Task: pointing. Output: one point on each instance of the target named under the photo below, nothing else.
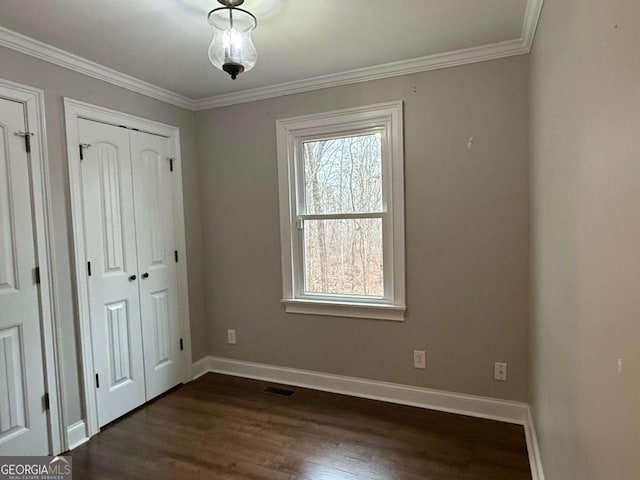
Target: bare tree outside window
(343, 256)
(341, 186)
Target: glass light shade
(232, 48)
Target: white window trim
(290, 132)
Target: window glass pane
(343, 175)
(344, 257)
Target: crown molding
(465, 56)
(437, 61)
(43, 51)
(57, 56)
(530, 24)
(403, 67)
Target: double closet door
(131, 254)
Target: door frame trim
(73, 111)
(33, 100)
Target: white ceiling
(164, 42)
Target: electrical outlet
(231, 336)
(500, 371)
(419, 359)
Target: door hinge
(171, 164)
(175, 254)
(181, 345)
(36, 271)
(82, 147)
(27, 139)
(300, 223)
(89, 268)
(97, 381)
(47, 403)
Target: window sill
(371, 311)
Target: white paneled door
(155, 233)
(112, 269)
(23, 418)
(131, 257)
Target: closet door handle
(132, 278)
(145, 275)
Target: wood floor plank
(223, 427)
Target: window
(342, 212)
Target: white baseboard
(201, 367)
(463, 404)
(77, 434)
(535, 460)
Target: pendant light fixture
(232, 49)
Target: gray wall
(467, 233)
(57, 83)
(585, 137)
(467, 227)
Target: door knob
(132, 278)
(145, 275)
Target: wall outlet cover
(419, 359)
(500, 371)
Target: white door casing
(156, 240)
(23, 418)
(33, 101)
(74, 112)
(112, 270)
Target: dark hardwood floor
(222, 427)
